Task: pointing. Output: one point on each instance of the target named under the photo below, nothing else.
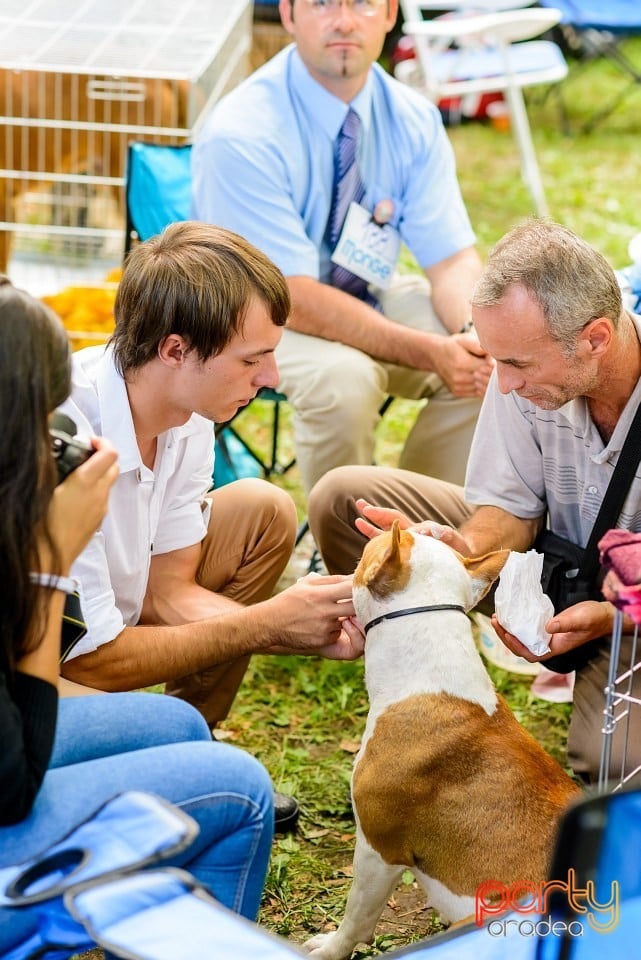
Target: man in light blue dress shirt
(263, 165)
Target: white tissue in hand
(520, 604)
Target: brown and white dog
(446, 783)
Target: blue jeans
(142, 741)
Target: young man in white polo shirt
(167, 582)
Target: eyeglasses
(360, 8)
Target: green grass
(304, 717)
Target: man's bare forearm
(323, 311)
(182, 602)
(144, 655)
(490, 528)
(452, 282)
(305, 618)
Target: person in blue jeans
(62, 759)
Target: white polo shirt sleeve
(187, 474)
(148, 514)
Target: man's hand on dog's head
(377, 520)
(450, 536)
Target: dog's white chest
(428, 653)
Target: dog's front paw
(320, 947)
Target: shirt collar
(327, 111)
(115, 415)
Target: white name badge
(366, 248)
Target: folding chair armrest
(486, 6)
(502, 27)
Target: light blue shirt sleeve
(433, 220)
(244, 184)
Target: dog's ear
(387, 568)
(484, 570)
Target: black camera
(69, 452)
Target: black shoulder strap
(614, 497)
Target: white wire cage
(622, 712)
(81, 79)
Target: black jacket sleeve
(28, 712)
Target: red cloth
(620, 553)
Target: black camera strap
(614, 498)
(73, 625)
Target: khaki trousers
(251, 535)
(337, 391)
(332, 507)
(332, 511)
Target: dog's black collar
(406, 613)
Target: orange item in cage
(86, 312)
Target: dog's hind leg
(452, 907)
(373, 881)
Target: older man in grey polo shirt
(566, 386)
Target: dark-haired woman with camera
(62, 759)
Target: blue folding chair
(596, 28)
(158, 192)
(127, 834)
(164, 914)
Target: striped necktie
(348, 187)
